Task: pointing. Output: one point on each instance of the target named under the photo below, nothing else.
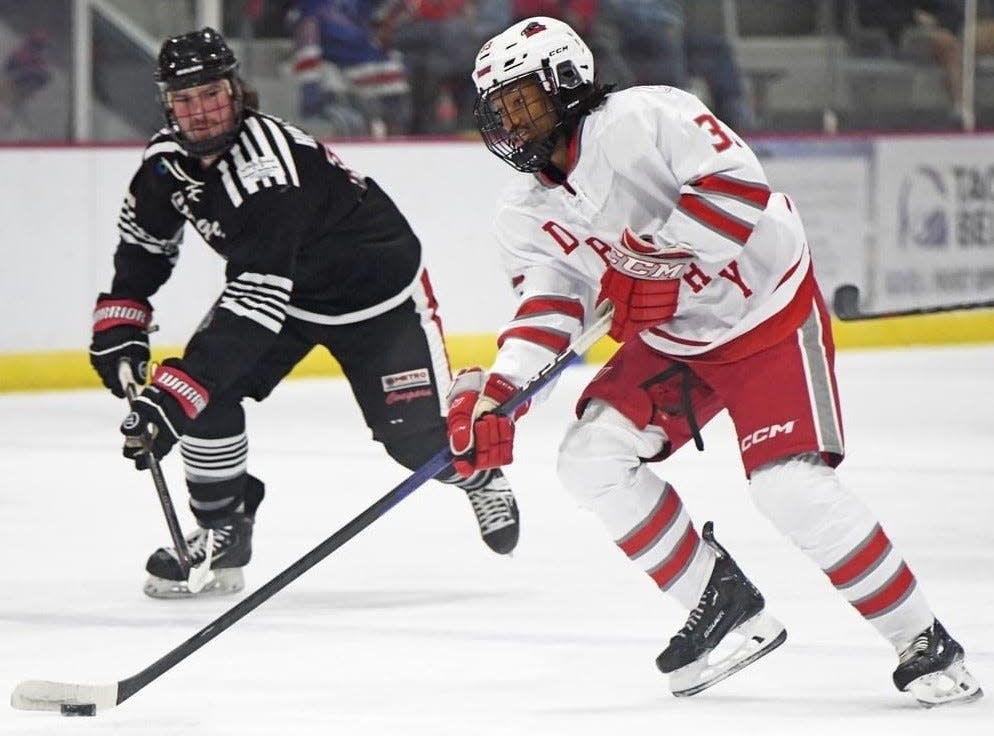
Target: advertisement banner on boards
(934, 221)
(829, 181)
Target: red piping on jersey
(768, 332)
(573, 149)
(755, 194)
(700, 209)
(786, 276)
(550, 339)
(545, 304)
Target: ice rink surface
(415, 629)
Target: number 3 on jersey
(724, 141)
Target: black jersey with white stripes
(300, 232)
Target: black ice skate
(496, 512)
(730, 607)
(228, 537)
(230, 541)
(933, 671)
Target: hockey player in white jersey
(644, 198)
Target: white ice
(414, 628)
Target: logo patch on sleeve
(407, 379)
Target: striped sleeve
(261, 159)
(553, 307)
(262, 298)
(717, 209)
(133, 233)
(723, 188)
(545, 320)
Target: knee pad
(603, 451)
(806, 501)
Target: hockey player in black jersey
(316, 255)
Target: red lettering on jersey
(695, 278)
(600, 248)
(566, 240)
(731, 272)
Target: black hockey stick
(73, 699)
(845, 304)
(197, 576)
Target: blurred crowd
(25, 71)
(401, 66)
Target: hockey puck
(78, 709)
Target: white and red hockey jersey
(656, 160)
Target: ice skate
(497, 513)
(231, 548)
(725, 633)
(933, 671)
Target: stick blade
(845, 303)
(47, 695)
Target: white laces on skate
(492, 508)
(920, 644)
(196, 543)
(692, 621)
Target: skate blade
(760, 635)
(225, 581)
(954, 685)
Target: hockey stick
(845, 304)
(73, 699)
(197, 576)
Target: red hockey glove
(478, 437)
(643, 284)
(162, 413)
(120, 332)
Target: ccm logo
(648, 269)
(765, 433)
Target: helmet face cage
(192, 60)
(528, 154)
(551, 52)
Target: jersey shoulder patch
(260, 158)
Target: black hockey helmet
(190, 60)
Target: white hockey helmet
(539, 45)
(553, 53)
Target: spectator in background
(662, 47)
(25, 71)
(923, 28)
(347, 76)
(439, 40)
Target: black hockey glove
(162, 413)
(120, 332)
